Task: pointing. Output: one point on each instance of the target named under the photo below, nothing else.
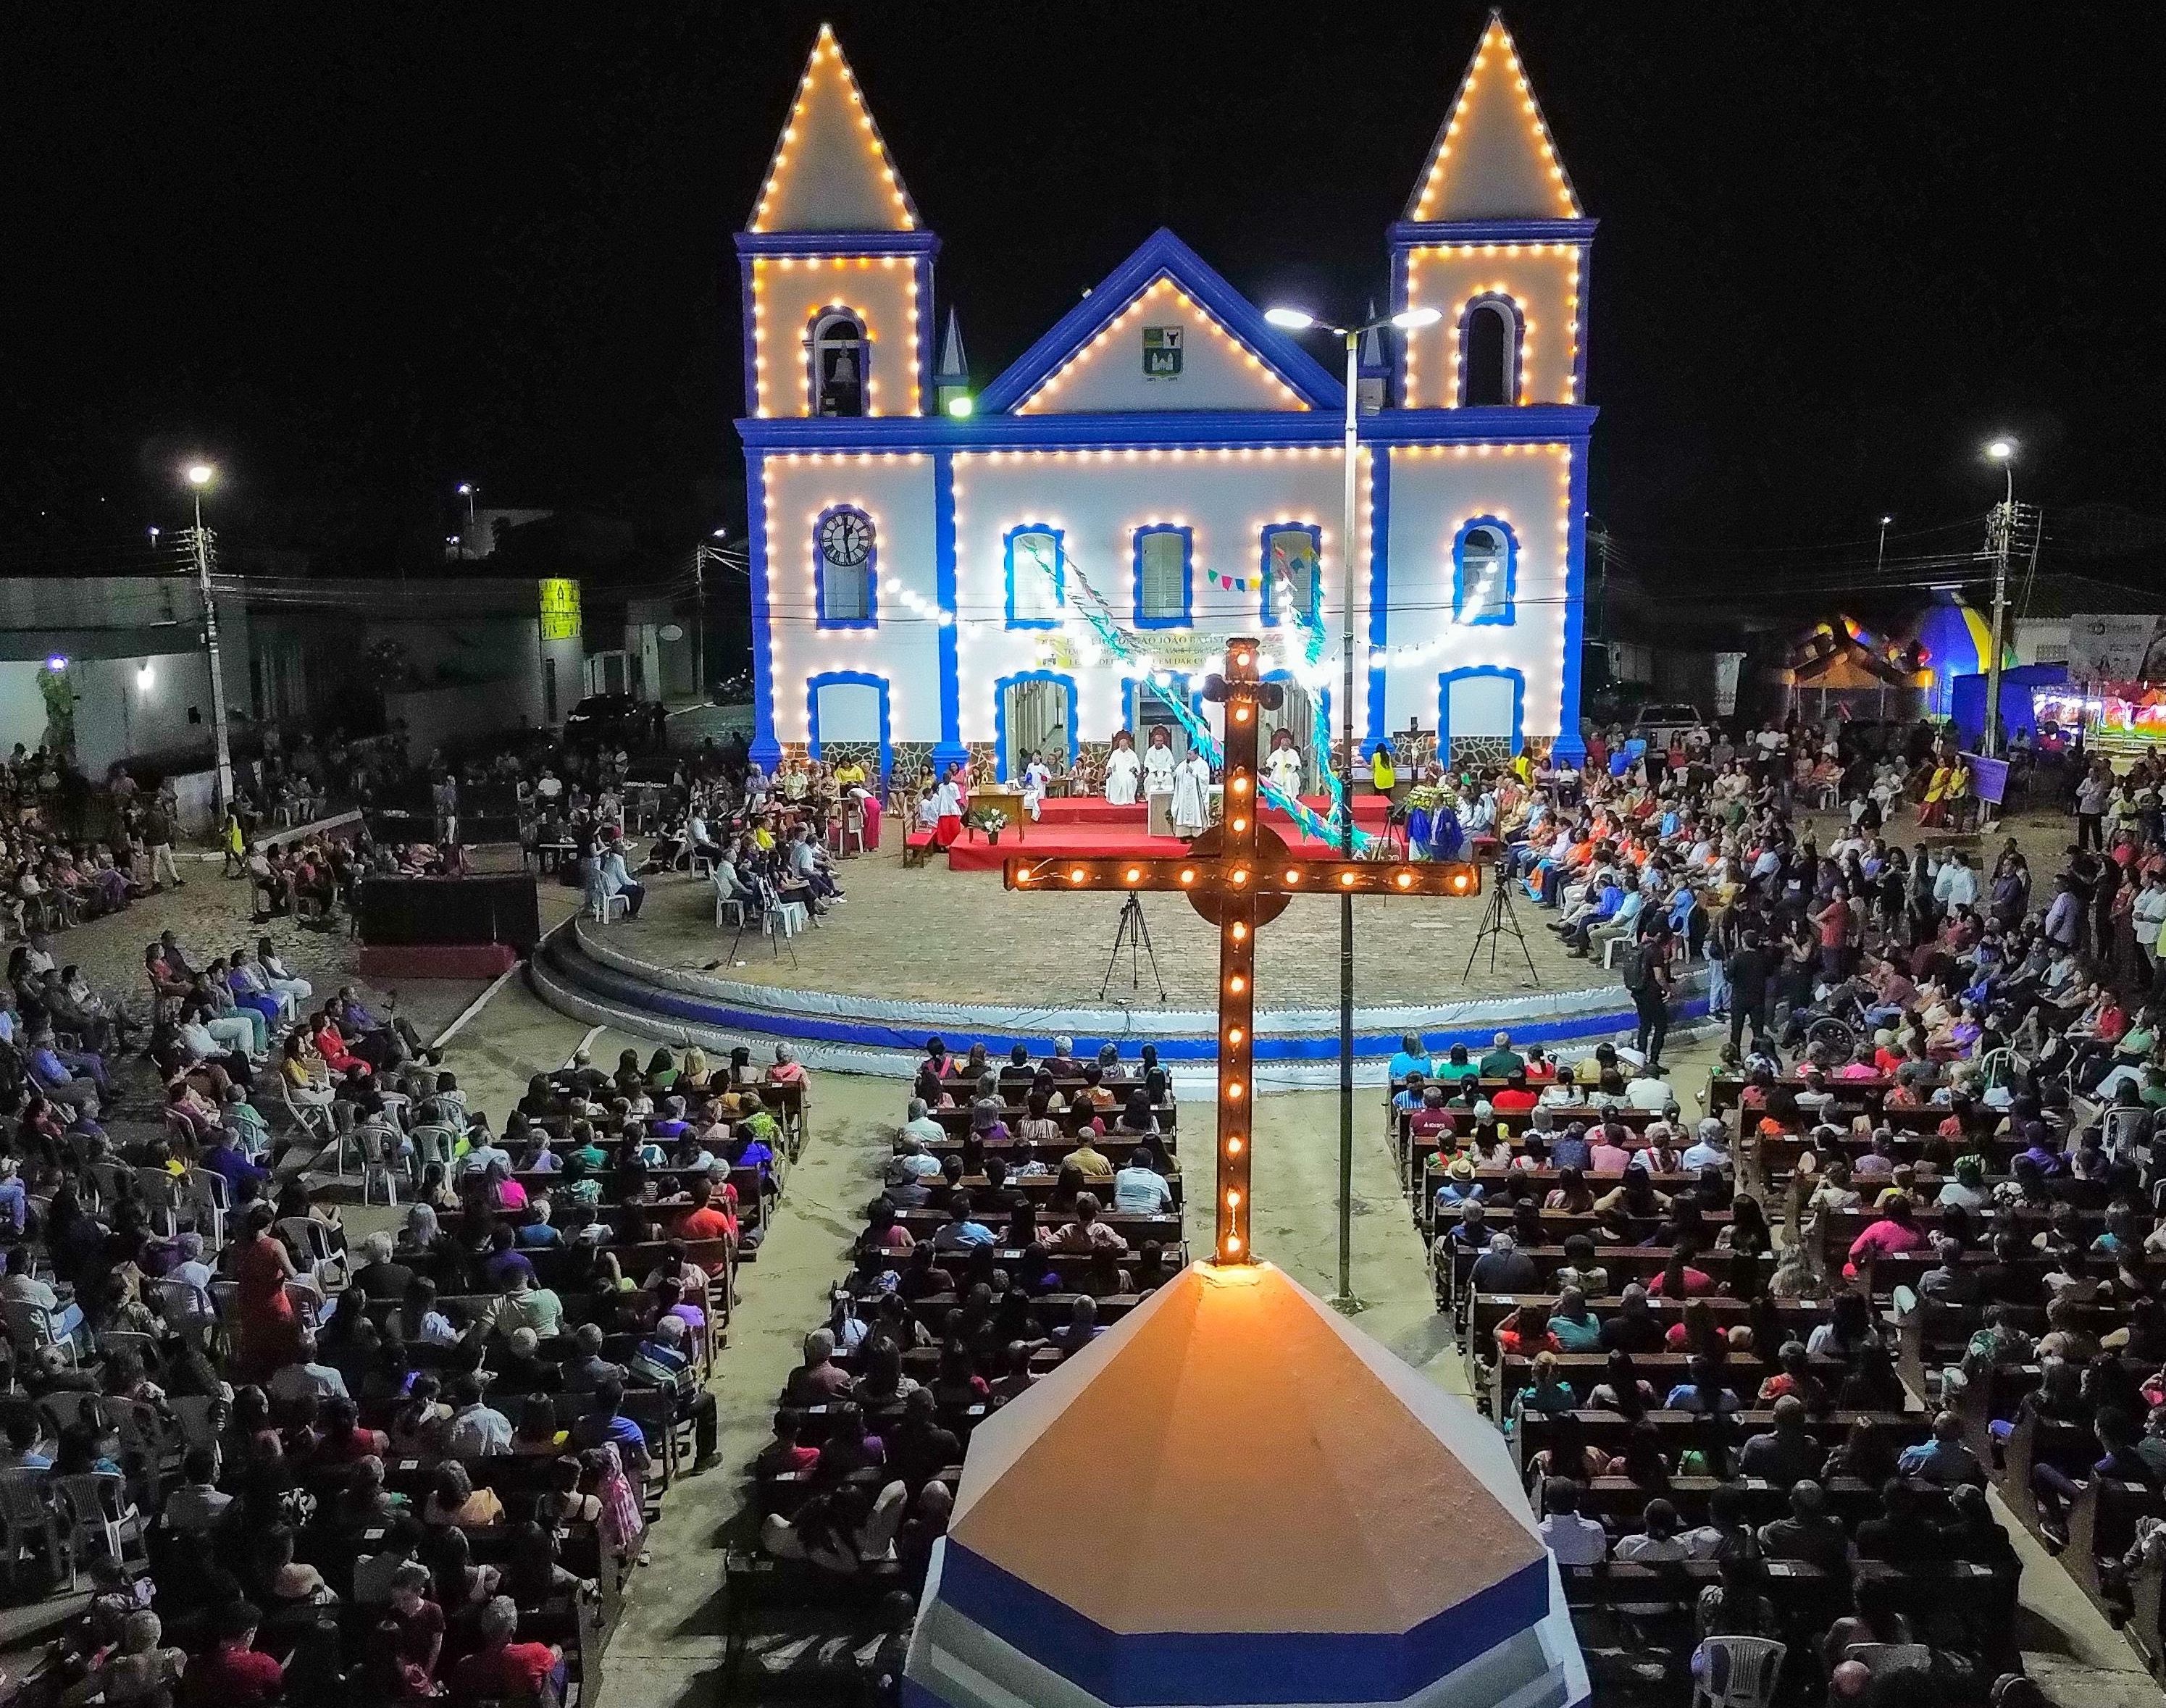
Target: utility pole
(200, 475)
(2002, 452)
(1345, 1299)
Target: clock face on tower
(846, 539)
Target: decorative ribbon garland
(1324, 828)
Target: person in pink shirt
(1605, 1155)
(1897, 1232)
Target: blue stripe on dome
(1130, 1671)
(613, 986)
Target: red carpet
(1369, 812)
(1051, 841)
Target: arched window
(1290, 551)
(1037, 577)
(845, 557)
(1489, 353)
(838, 363)
(1485, 565)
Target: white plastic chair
(213, 1203)
(378, 1149)
(30, 1325)
(198, 1419)
(1738, 1672)
(325, 1262)
(732, 904)
(29, 1519)
(102, 1514)
(313, 1119)
(787, 917)
(605, 908)
(2123, 1127)
(129, 1339)
(433, 1142)
(162, 1199)
(185, 1308)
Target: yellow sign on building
(560, 609)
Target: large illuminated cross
(1239, 875)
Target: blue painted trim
(1187, 616)
(1292, 1049)
(751, 343)
(1162, 252)
(1127, 1669)
(1518, 678)
(1586, 283)
(949, 750)
(765, 751)
(839, 243)
(1570, 744)
(871, 567)
(855, 678)
(926, 323)
(1430, 234)
(1515, 345)
(1270, 607)
(1059, 572)
(1000, 713)
(1509, 614)
(1380, 587)
(1184, 429)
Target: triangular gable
(1494, 158)
(1251, 364)
(830, 170)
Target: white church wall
(1435, 492)
(902, 648)
(1098, 500)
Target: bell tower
(837, 266)
(1495, 238)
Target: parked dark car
(605, 718)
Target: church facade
(940, 573)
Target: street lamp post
(200, 475)
(467, 489)
(1299, 320)
(699, 615)
(1880, 553)
(2002, 452)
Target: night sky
(361, 254)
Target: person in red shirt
(1540, 1069)
(707, 1220)
(1515, 1099)
(233, 1674)
(508, 1671)
(1431, 1118)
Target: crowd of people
(393, 1466)
(1949, 1077)
(1027, 1205)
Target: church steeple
(831, 170)
(951, 379)
(1494, 158)
(837, 267)
(1496, 240)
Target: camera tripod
(1132, 934)
(1499, 920)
